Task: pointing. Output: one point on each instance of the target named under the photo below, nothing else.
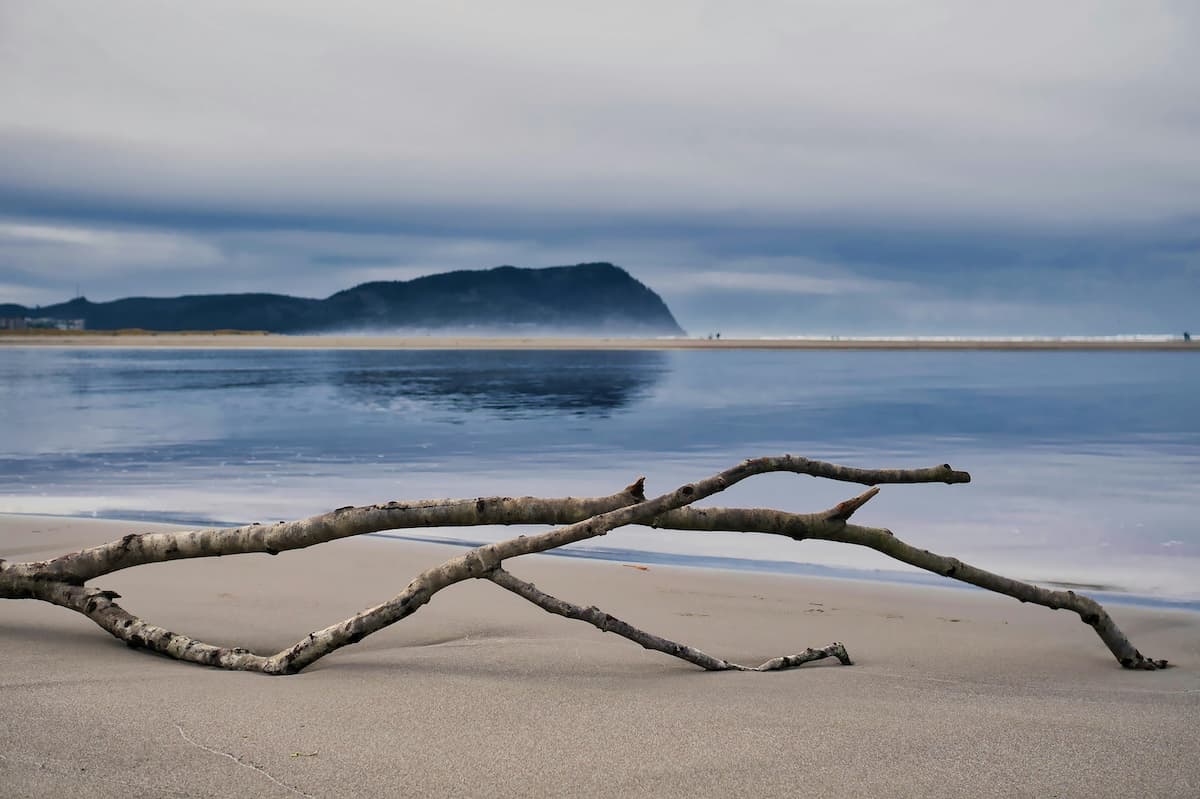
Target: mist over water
(1082, 461)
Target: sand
(270, 341)
(954, 693)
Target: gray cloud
(1059, 112)
(1021, 159)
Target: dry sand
(271, 341)
(953, 693)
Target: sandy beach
(953, 693)
(273, 341)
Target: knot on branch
(954, 476)
(481, 562)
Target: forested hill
(585, 298)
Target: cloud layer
(880, 152)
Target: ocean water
(1085, 464)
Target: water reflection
(184, 404)
(1083, 462)
(508, 383)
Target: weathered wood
(611, 624)
(135, 550)
(827, 527)
(61, 580)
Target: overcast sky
(768, 168)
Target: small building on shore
(41, 323)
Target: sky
(774, 168)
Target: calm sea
(1085, 464)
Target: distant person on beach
(1187, 336)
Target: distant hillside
(586, 298)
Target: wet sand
(953, 693)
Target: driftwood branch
(824, 527)
(135, 550)
(611, 624)
(61, 580)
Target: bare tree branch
(479, 562)
(61, 580)
(135, 550)
(611, 624)
(830, 526)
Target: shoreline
(915, 578)
(950, 694)
(281, 341)
(900, 576)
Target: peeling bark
(61, 580)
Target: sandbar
(236, 340)
(953, 693)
